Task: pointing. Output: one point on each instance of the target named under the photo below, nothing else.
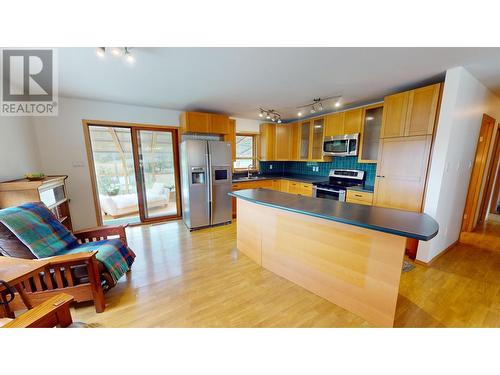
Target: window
(246, 154)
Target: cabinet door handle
(379, 176)
(358, 195)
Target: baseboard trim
(422, 263)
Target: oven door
(329, 193)
(332, 146)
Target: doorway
(476, 204)
(134, 171)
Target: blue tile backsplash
(306, 168)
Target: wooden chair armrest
(101, 233)
(70, 258)
(50, 313)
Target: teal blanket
(36, 227)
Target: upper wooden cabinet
(340, 123)
(231, 137)
(219, 124)
(394, 117)
(410, 113)
(267, 141)
(304, 140)
(283, 142)
(199, 122)
(317, 139)
(295, 145)
(422, 108)
(353, 120)
(370, 134)
(334, 124)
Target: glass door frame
(174, 130)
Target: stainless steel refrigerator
(206, 181)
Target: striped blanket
(36, 227)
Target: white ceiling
(238, 81)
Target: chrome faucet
(249, 168)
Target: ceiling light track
(270, 114)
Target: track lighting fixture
(117, 52)
(317, 105)
(101, 51)
(270, 114)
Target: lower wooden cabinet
(359, 197)
(267, 184)
(402, 172)
(285, 186)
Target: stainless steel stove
(337, 184)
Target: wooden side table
(14, 272)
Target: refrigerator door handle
(209, 184)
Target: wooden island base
(355, 268)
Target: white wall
(18, 148)
(62, 145)
(247, 125)
(464, 101)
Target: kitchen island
(349, 254)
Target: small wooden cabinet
(359, 197)
(340, 123)
(353, 120)
(200, 122)
(410, 113)
(334, 124)
(51, 191)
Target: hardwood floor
(198, 279)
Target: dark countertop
(293, 177)
(401, 223)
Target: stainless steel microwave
(341, 145)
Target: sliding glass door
(156, 169)
(135, 173)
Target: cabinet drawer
(306, 189)
(360, 197)
(267, 184)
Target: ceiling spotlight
(299, 114)
(268, 116)
(261, 114)
(115, 51)
(313, 110)
(101, 51)
(337, 103)
(128, 56)
(279, 121)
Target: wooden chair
(80, 275)
(54, 312)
